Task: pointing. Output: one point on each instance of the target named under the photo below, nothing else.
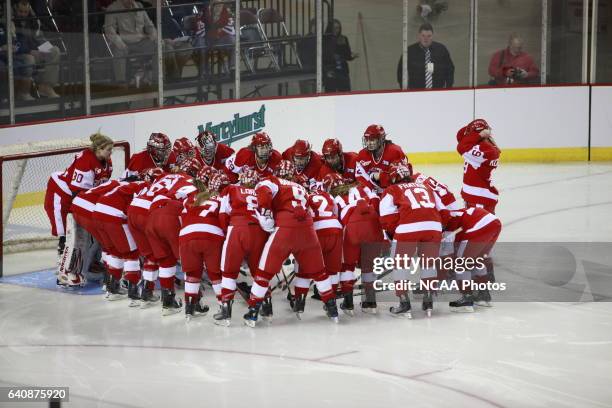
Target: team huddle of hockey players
(216, 211)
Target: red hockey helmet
(332, 180)
(301, 154)
(374, 137)
(207, 141)
(218, 182)
(206, 173)
(190, 166)
(285, 170)
(152, 174)
(478, 125)
(399, 172)
(248, 178)
(332, 153)
(159, 147)
(183, 149)
(261, 144)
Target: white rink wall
(522, 118)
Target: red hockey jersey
(470, 220)
(222, 153)
(359, 204)
(349, 163)
(441, 190)
(367, 166)
(85, 172)
(287, 200)
(481, 158)
(84, 203)
(238, 205)
(325, 212)
(245, 159)
(113, 205)
(142, 161)
(410, 207)
(201, 221)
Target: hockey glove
(265, 220)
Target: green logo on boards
(238, 128)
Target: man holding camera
(513, 66)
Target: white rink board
(545, 117)
(539, 117)
(601, 116)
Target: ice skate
(148, 296)
(369, 307)
(170, 304)
(195, 307)
(133, 295)
(266, 310)
(465, 304)
(428, 303)
(403, 309)
(347, 305)
(299, 305)
(113, 290)
(331, 309)
(224, 316)
(250, 318)
(483, 298)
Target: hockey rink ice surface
(511, 355)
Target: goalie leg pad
(72, 262)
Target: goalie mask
(159, 148)
(332, 153)
(261, 144)
(301, 154)
(374, 138)
(207, 142)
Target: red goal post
(25, 170)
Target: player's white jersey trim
(108, 210)
(139, 202)
(331, 223)
(418, 227)
(211, 229)
(483, 222)
(84, 204)
(479, 191)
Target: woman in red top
(90, 168)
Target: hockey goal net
(25, 170)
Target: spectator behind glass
(46, 57)
(307, 49)
(129, 33)
(221, 28)
(512, 65)
(337, 78)
(429, 63)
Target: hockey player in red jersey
(478, 231)
(201, 241)
(283, 211)
(183, 149)
(376, 158)
(410, 212)
(163, 226)
(157, 154)
(307, 163)
(358, 209)
(245, 239)
(90, 168)
(138, 215)
(258, 156)
(210, 152)
(481, 154)
(337, 161)
(328, 229)
(111, 215)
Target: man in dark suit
(429, 63)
